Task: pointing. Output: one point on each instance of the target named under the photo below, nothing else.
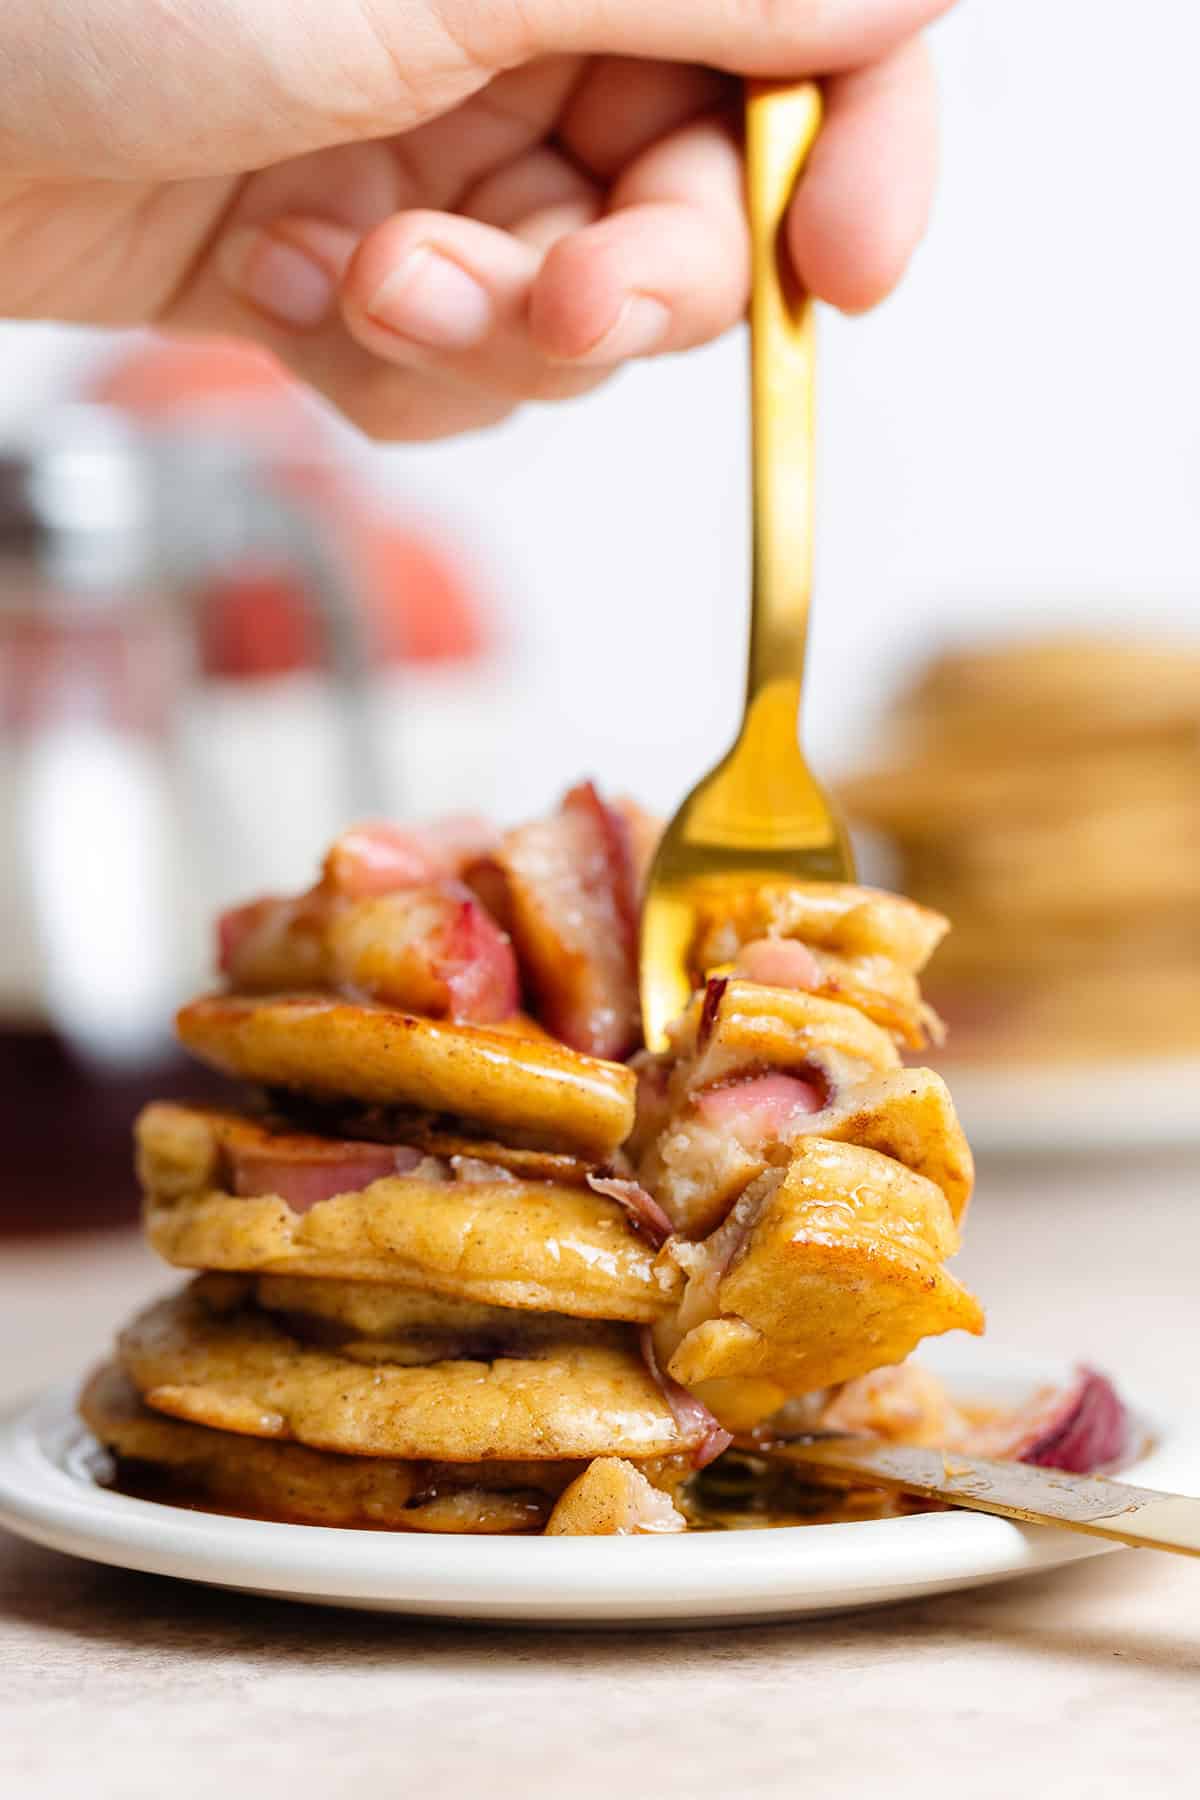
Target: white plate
(48, 1493)
(1053, 1108)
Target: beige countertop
(1080, 1684)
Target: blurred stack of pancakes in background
(469, 1260)
(1046, 795)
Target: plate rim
(686, 1579)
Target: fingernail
(639, 327)
(278, 277)
(433, 301)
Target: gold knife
(1142, 1517)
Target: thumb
(743, 37)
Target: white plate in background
(48, 1494)
(1060, 1108)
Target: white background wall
(1015, 436)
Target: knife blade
(1096, 1504)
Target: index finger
(742, 37)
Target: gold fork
(761, 812)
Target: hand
(435, 209)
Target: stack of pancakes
(1047, 795)
(471, 1261)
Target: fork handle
(782, 121)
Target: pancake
(340, 1312)
(752, 1068)
(1106, 1015)
(932, 795)
(696, 1169)
(195, 1465)
(528, 1244)
(1047, 871)
(312, 1132)
(822, 1272)
(834, 916)
(503, 1078)
(1042, 693)
(613, 1499)
(738, 1025)
(207, 1356)
(874, 985)
(1043, 794)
